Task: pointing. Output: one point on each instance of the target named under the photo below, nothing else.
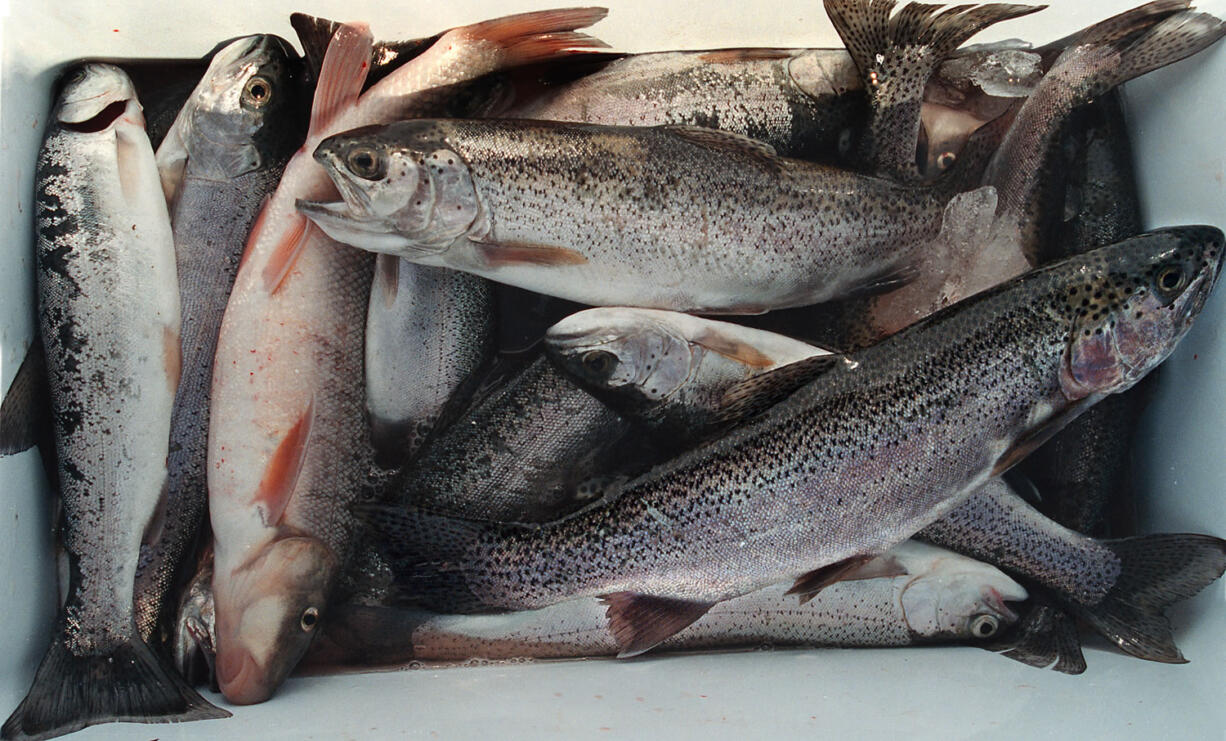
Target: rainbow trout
(879, 445)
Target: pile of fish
(313, 392)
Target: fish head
(960, 599)
(93, 96)
(267, 614)
(1128, 312)
(246, 111)
(634, 355)
(404, 190)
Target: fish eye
(363, 162)
(984, 626)
(309, 619)
(257, 92)
(1171, 279)
(598, 361)
(946, 160)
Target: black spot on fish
(71, 471)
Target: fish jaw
(267, 612)
(371, 235)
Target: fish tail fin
(540, 35)
(427, 554)
(1122, 25)
(1156, 571)
(1113, 53)
(1046, 636)
(129, 684)
(896, 54)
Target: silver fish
(428, 330)
(1122, 588)
(666, 370)
(289, 444)
(930, 596)
(670, 217)
(220, 160)
(878, 446)
(109, 315)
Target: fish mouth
(338, 222)
(993, 599)
(238, 678)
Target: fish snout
(238, 677)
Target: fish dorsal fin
(741, 352)
(341, 75)
(755, 395)
(1032, 440)
(276, 489)
(722, 140)
(640, 622)
(25, 414)
(314, 33)
(849, 569)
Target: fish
(219, 161)
(194, 643)
(109, 319)
(289, 448)
(671, 217)
(428, 332)
(535, 445)
(874, 448)
(896, 55)
(665, 370)
(994, 233)
(927, 595)
(1122, 588)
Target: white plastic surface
(946, 693)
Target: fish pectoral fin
(286, 253)
(889, 279)
(808, 585)
(640, 622)
(341, 75)
(276, 488)
(742, 352)
(755, 395)
(1034, 439)
(502, 254)
(25, 413)
(722, 140)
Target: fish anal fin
(523, 253)
(754, 395)
(341, 75)
(276, 488)
(25, 414)
(723, 140)
(741, 352)
(808, 585)
(639, 622)
(285, 254)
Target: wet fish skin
(657, 217)
(109, 319)
(220, 160)
(665, 370)
(428, 330)
(862, 457)
(940, 597)
(1120, 587)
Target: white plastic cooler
(942, 693)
